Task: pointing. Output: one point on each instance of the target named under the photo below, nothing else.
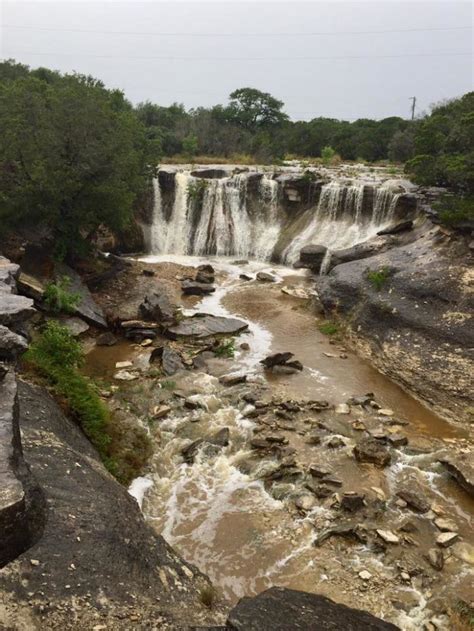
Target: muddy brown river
(220, 512)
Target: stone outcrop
(21, 503)
(462, 470)
(417, 325)
(96, 551)
(87, 309)
(205, 325)
(280, 609)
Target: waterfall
(228, 217)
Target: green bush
(327, 155)
(329, 328)
(226, 349)
(58, 356)
(378, 278)
(57, 297)
(454, 210)
(196, 189)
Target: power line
(218, 58)
(187, 34)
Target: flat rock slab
(462, 471)
(87, 309)
(280, 609)
(15, 309)
(201, 326)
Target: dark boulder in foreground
(282, 361)
(205, 274)
(312, 256)
(281, 609)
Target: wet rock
(335, 442)
(342, 408)
(232, 380)
(402, 226)
(379, 433)
(265, 277)
(148, 272)
(189, 452)
(332, 481)
(311, 256)
(106, 339)
(245, 277)
(370, 450)
(361, 400)
(305, 502)
(260, 443)
(205, 274)
(446, 525)
(314, 439)
(386, 412)
(281, 360)
(171, 361)
(244, 346)
(11, 344)
(193, 288)
(435, 558)
(320, 490)
(281, 609)
(414, 500)
(221, 438)
(319, 471)
(158, 307)
(462, 470)
(388, 536)
(205, 325)
(352, 501)
(446, 539)
(349, 531)
(397, 440)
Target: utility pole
(413, 103)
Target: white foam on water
(138, 487)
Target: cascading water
(221, 217)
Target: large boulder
(462, 470)
(205, 325)
(11, 344)
(15, 310)
(193, 288)
(371, 450)
(312, 256)
(8, 273)
(158, 307)
(281, 609)
(87, 309)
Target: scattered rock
(370, 450)
(335, 442)
(397, 440)
(281, 360)
(342, 408)
(462, 471)
(388, 536)
(245, 277)
(446, 539)
(319, 471)
(221, 438)
(386, 412)
(446, 525)
(205, 325)
(161, 411)
(435, 558)
(265, 277)
(365, 575)
(414, 500)
(352, 501)
(232, 380)
(305, 502)
(205, 274)
(193, 288)
(106, 339)
(296, 292)
(158, 307)
(124, 364)
(125, 375)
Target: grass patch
(59, 299)
(329, 328)
(225, 349)
(461, 617)
(58, 357)
(378, 278)
(168, 384)
(207, 596)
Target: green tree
(73, 156)
(251, 109)
(190, 145)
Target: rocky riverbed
(311, 470)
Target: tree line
(75, 155)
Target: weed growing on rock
(378, 278)
(59, 299)
(226, 349)
(207, 596)
(329, 328)
(168, 384)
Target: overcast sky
(338, 59)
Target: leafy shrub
(327, 155)
(378, 278)
(168, 384)
(454, 210)
(58, 355)
(207, 596)
(226, 349)
(329, 328)
(57, 297)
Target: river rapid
(231, 512)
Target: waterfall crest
(246, 214)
